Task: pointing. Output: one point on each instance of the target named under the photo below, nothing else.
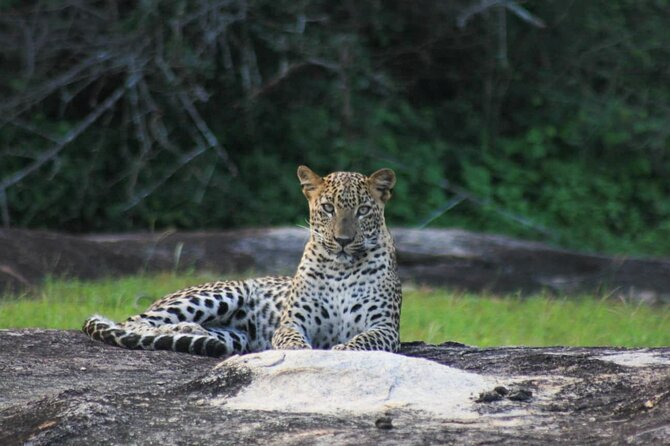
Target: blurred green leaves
(571, 137)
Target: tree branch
(4, 208)
(69, 136)
(183, 160)
(514, 7)
(200, 123)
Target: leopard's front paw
(288, 338)
(293, 346)
(339, 347)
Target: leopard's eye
(328, 207)
(363, 210)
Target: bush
(195, 114)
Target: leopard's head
(346, 210)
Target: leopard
(345, 294)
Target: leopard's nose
(344, 241)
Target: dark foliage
(547, 120)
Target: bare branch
(483, 5)
(24, 125)
(328, 65)
(174, 168)
(4, 208)
(227, 53)
(139, 121)
(478, 8)
(502, 38)
(524, 15)
(29, 53)
(461, 194)
(283, 74)
(200, 123)
(40, 92)
(211, 7)
(287, 71)
(446, 207)
(157, 127)
(68, 138)
(200, 194)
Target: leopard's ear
(381, 184)
(309, 181)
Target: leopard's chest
(341, 301)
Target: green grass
(436, 316)
(432, 316)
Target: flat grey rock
(59, 387)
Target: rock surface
(453, 258)
(59, 387)
(359, 383)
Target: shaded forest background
(548, 120)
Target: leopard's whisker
(313, 231)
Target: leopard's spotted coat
(344, 295)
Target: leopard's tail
(109, 332)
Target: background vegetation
(542, 119)
(433, 316)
